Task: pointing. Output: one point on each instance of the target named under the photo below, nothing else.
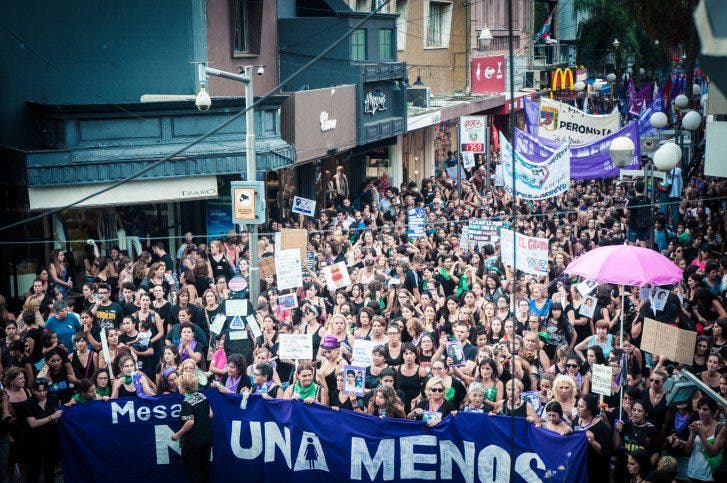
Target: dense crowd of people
(526, 343)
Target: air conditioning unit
(417, 97)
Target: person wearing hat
(41, 414)
(331, 361)
(65, 324)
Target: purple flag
(532, 113)
(589, 160)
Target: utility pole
(245, 76)
(251, 173)
(468, 46)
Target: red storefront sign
(488, 75)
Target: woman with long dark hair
(40, 438)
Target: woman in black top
(410, 375)
(127, 382)
(218, 260)
(84, 361)
(338, 399)
(40, 436)
(599, 438)
(434, 408)
(59, 374)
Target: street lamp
(611, 78)
(485, 38)
(579, 86)
(658, 120)
(203, 100)
(696, 89)
(667, 156)
(621, 151)
(691, 120)
(681, 101)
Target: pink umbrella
(625, 265)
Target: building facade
(75, 124)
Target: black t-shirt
(35, 333)
(166, 259)
(639, 218)
(109, 316)
(47, 433)
(644, 437)
(448, 285)
(196, 407)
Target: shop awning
(133, 192)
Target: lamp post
(665, 159)
(485, 38)
(203, 102)
(617, 60)
(621, 151)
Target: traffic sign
(248, 202)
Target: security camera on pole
(248, 197)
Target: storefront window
(377, 162)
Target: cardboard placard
(588, 307)
(235, 307)
(295, 347)
(288, 269)
(662, 339)
(303, 206)
(336, 276)
(294, 238)
(267, 267)
(354, 380)
(288, 301)
(601, 379)
(363, 352)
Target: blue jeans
(670, 203)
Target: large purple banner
(589, 160)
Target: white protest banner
(601, 379)
(288, 269)
(561, 122)
(536, 181)
(363, 352)
(235, 307)
(295, 347)
(336, 276)
(304, 206)
(532, 252)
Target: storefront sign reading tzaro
(374, 101)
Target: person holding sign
(435, 407)
(305, 389)
(340, 398)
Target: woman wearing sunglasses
(434, 408)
